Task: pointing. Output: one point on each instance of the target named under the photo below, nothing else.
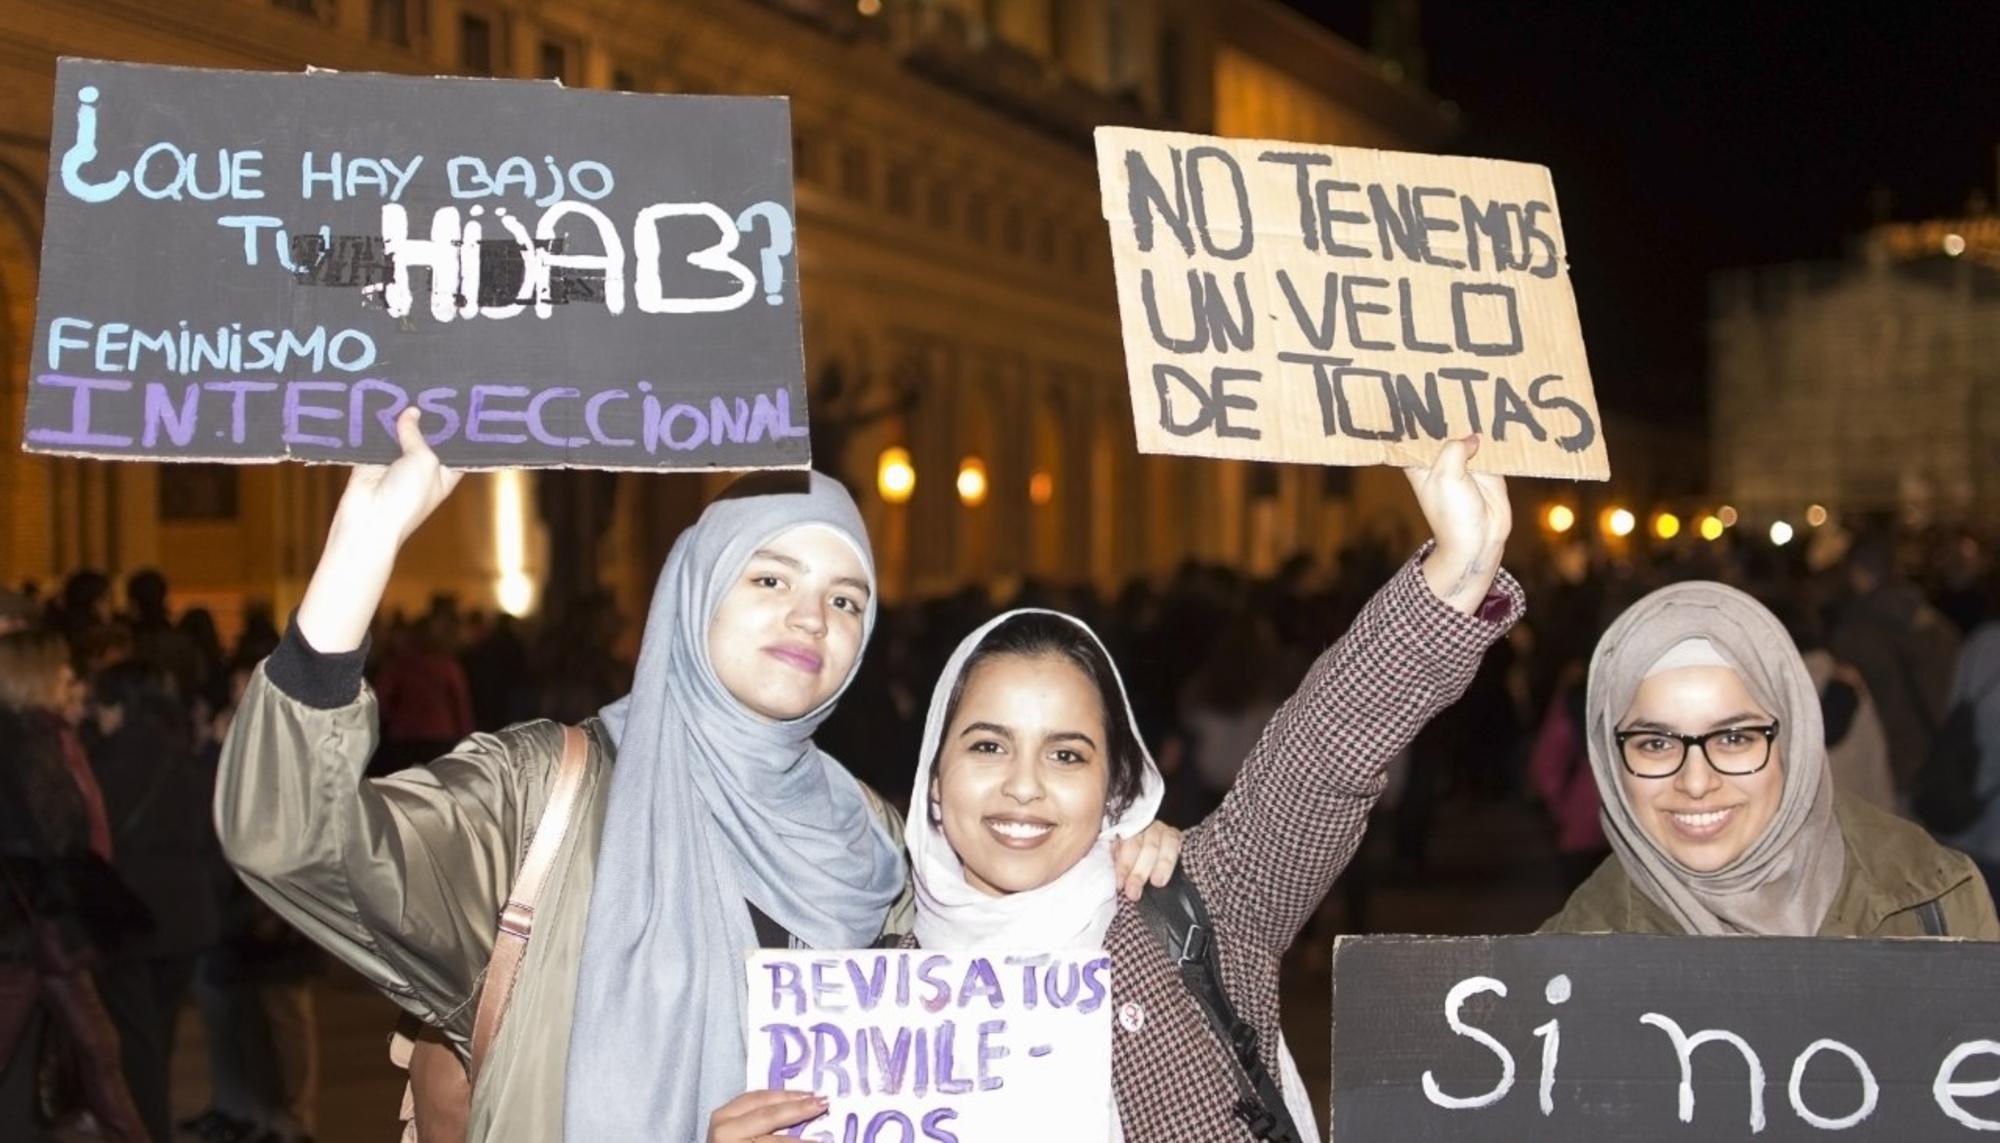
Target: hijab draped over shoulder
(1785, 882)
(710, 806)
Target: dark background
(1689, 137)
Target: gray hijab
(1786, 881)
(711, 805)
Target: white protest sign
(1334, 305)
(931, 1047)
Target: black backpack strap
(1932, 917)
(1180, 920)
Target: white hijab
(1074, 910)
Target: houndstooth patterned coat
(1267, 856)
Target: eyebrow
(989, 728)
(1738, 719)
(1073, 736)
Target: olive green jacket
(1893, 869)
(403, 877)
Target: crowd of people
(1869, 671)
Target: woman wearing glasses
(1706, 743)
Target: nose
(808, 615)
(1697, 777)
(1024, 779)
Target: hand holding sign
(1469, 516)
(382, 506)
(760, 1116)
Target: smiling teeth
(1702, 821)
(1020, 830)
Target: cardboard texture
(244, 266)
(914, 1046)
(1582, 1038)
(1334, 305)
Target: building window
(556, 59)
(1013, 230)
(939, 208)
(389, 21)
(197, 492)
(977, 222)
(805, 159)
(901, 191)
(854, 171)
(1170, 73)
(475, 44)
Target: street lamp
(972, 481)
(1619, 522)
(1560, 518)
(1666, 525)
(895, 476)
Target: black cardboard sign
(243, 266)
(1551, 1039)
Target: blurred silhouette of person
(141, 742)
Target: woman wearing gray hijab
(1704, 734)
(720, 826)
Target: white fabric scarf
(1074, 910)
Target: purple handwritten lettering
(160, 410)
(478, 416)
(357, 404)
(239, 392)
(296, 410)
(79, 432)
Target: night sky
(1688, 136)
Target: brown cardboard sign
(1334, 305)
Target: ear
(935, 810)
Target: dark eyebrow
(1738, 719)
(860, 585)
(1073, 736)
(989, 728)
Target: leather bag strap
(517, 919)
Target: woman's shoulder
(1607, 902)
(1894, 864)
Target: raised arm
(1297, 811)
(399, 878)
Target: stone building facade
(950, 247)
(1871, 387)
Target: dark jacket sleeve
(1292, 821)
(400, 877)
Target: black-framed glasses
(1734, 750)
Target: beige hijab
(1785, 882)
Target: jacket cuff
(318, 679)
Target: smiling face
(1021, 778)
(1703, 819)
(786, 633)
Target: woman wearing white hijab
(1032, 766)
(1704, 733)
